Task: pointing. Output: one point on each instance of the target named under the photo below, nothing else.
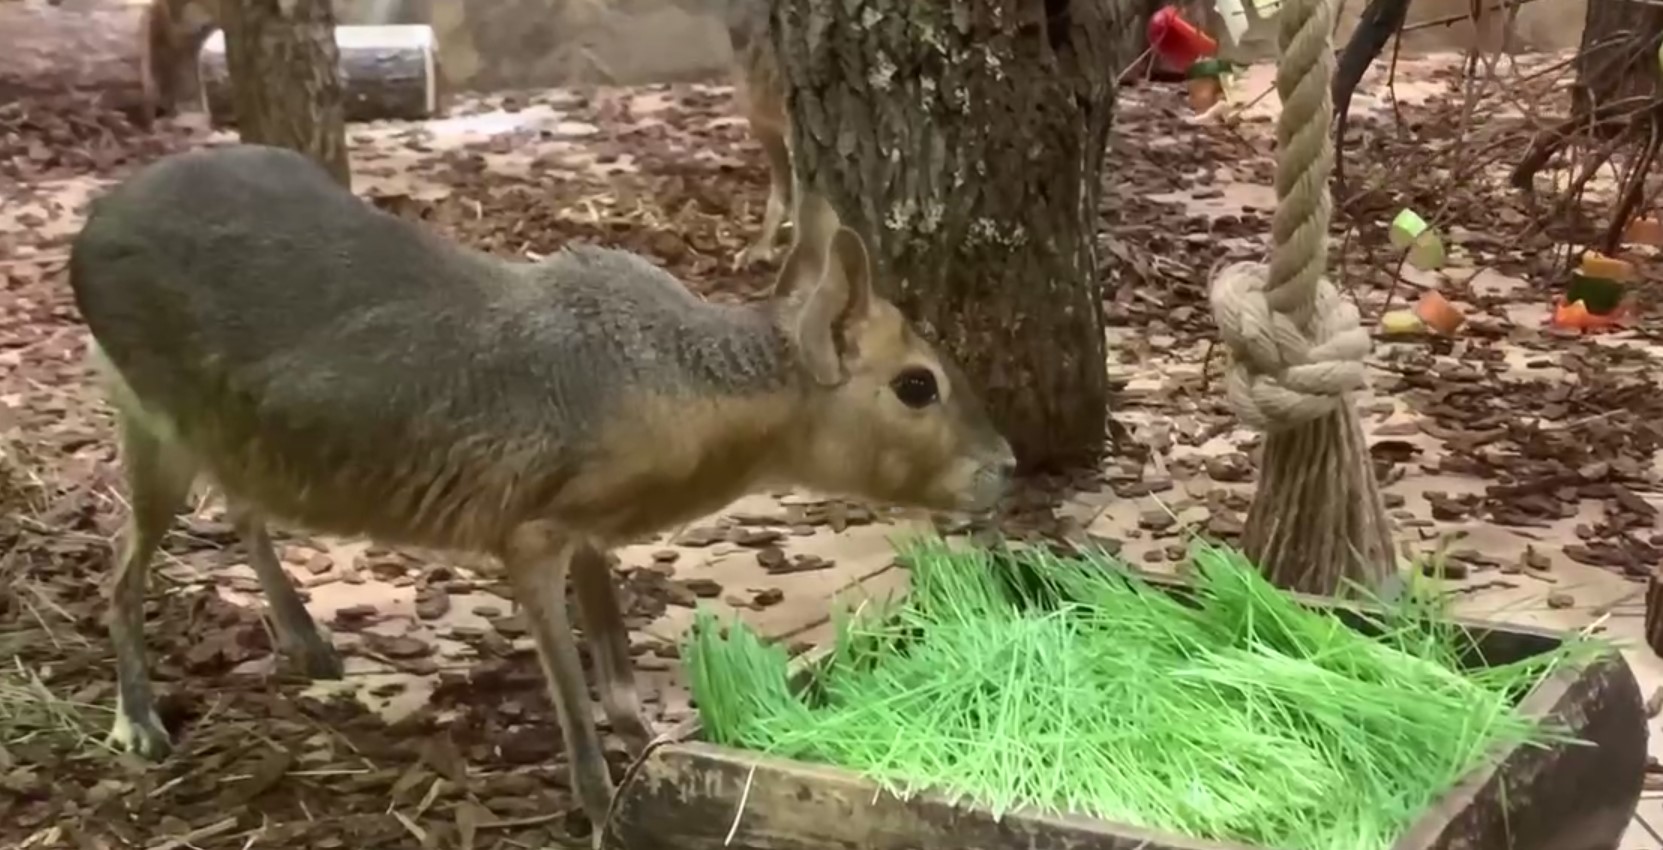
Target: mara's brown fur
(344, 370)
(760, 91)
(172, 33)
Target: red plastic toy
(1176, 40)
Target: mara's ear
(852, 261)
(820, 291)
(809, 298)
(815, 219)
(814, 223)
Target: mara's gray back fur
(352, 372)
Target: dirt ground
(1529, 454)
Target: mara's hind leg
(297, 633)
(603, 627)
(538, 561)
(159, 474)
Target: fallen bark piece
(387, 73)
(1654, 613)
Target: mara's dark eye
(915, 387)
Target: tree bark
(1616, 89)
(1654, 613)
(285, 72)
(963, 140)
(1618, 58)
(1380, 21)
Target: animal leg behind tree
(779, 196)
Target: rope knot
(1285, 371)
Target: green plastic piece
(1426, 249)
(1204, 68)
(1601, 295)
(1407, 227)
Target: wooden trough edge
(1575, 797)
(684, 794)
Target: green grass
(1071, 685)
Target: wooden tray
(689, 795)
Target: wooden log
(387, 72)
(88, 46)
(689, 795)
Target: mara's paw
(635, 731)
(144, 736)
(755, 253)
(317, 658)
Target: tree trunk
(1616, 90)
(1617, 93)
(285, 70)
(963, 140)
(1381, 19)
(1618, 58)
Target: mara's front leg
(537, 560)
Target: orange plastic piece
(1204, 93)
(1575, 316)
(1438, 314)
(1645, 231)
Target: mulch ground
(480, 765)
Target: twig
(1607, 608)
(1633, 186)
(1123, 77)
(37, 260)
(1391, 85)
(1449, 20)
(216, 828)
(744, 797)
(520, 823)
(410, 826)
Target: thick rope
(1297, 349)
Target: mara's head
(888, 417)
